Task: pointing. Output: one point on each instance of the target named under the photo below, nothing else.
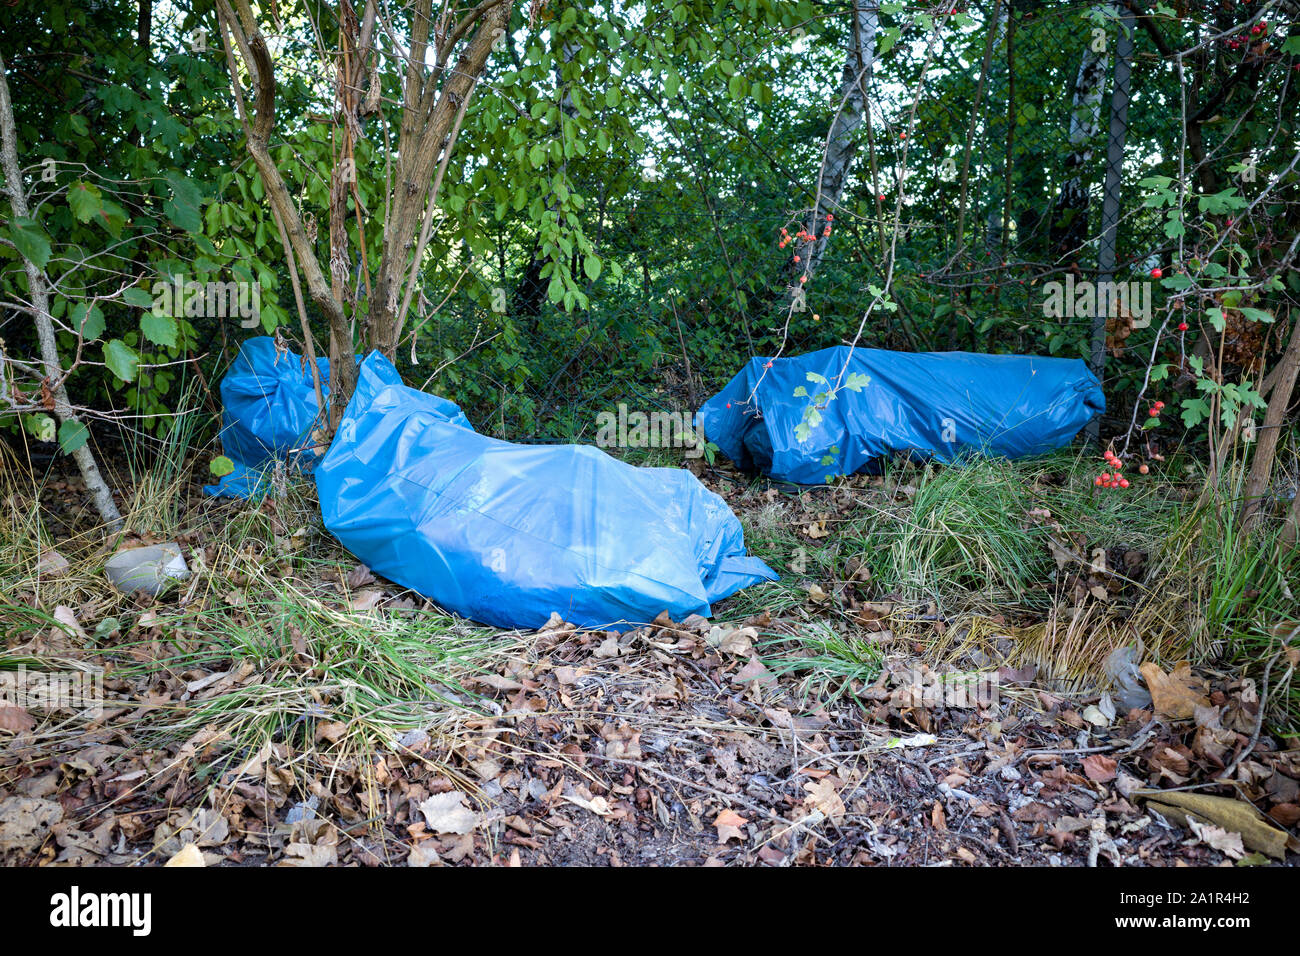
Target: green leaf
(1195, 411)
(221, 466)
(137, 297)
(183, 208)
(1220, 202)
(121, 359)
(591, 265)
(159, 329)
(31, 241)
(89, 319)
(85, 200)
(41, 427)
(72, 435)
(1256, 315)
(857, 381)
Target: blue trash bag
(269, 405)
(507, 534)
(945, 406)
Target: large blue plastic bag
(944, 406)
(269, 405)
(507, 534)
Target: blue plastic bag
(507, 534)
(269, 405)
(944, 406)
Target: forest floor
(285, 707)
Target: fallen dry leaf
(1218, 838)
(358, 577)
(423, 854)
(823, 796)
(310, 854)
(729, 824)
(1099, 768)
(596, 805)
(447, 813)
(739, 642)
(189, 855)
(68, 618)
(1174, 695)
(366, 600)
(609, 647)
(51, 564)
(16, 720)
(24, 822)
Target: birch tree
(53, 383)
(841, 139)
(1069, 228)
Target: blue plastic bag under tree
(269, 406)
(787, 417)
(508, 534)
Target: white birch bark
(1085, 123)
(38, 290)
(841, 141)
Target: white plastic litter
(150, 569)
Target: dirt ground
(672, 744)
(657, 748)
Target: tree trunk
(1070, 212)
(257, 127)
(39, 292)
(432, 111)
(1261, 465)
(841, 144)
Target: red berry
(1097, 481)
(1182, 326)
(1123, 482)
(1143, 469)
(1156, 273)
(1153, 412)
(1105, 476)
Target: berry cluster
(803, 235)
(1108, 480)
(1155, 410)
